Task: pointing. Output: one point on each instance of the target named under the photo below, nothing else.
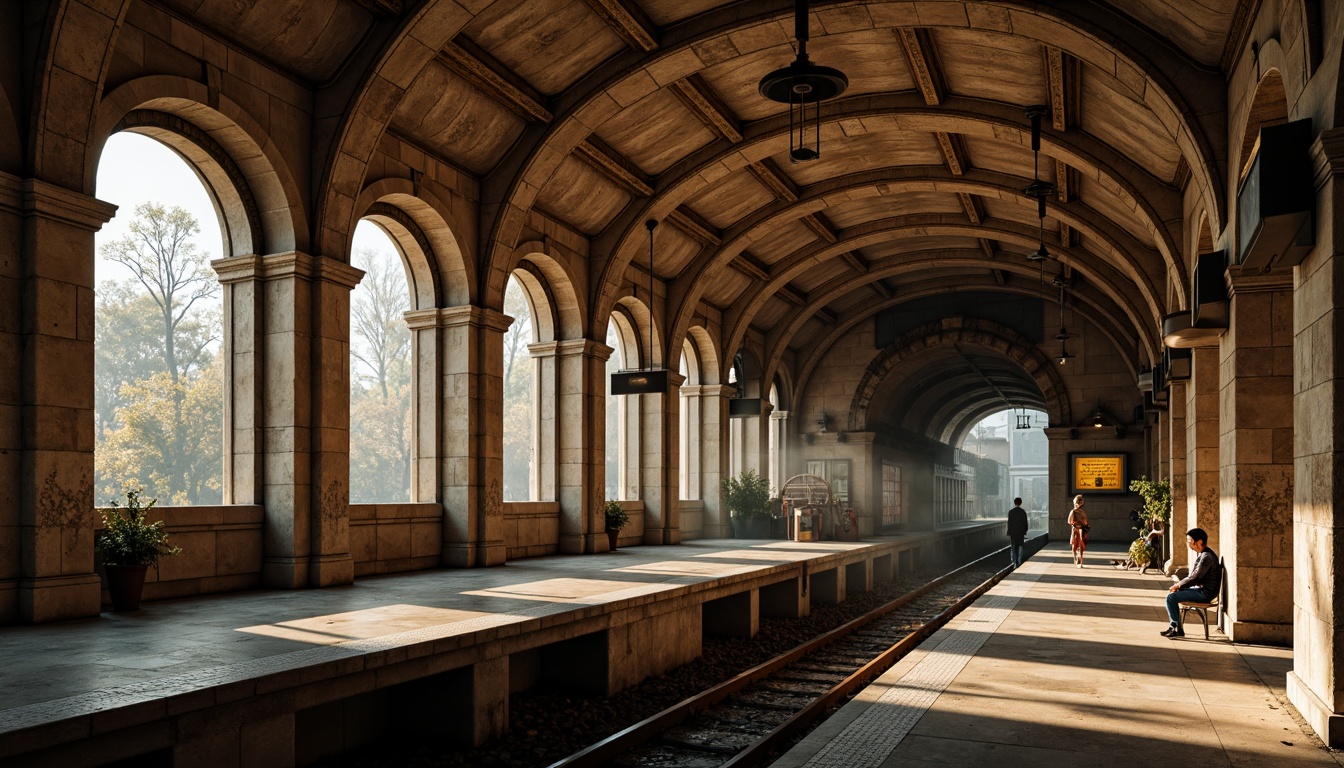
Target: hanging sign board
(639, 382)
(1098, 473)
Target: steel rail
(602, 752)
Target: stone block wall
(531, 528)
(221, 551)
(390, 538)
(692, 519)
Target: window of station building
(891, 494)
(380, 371)
(158, 372)
(519, 398)
(835, 472)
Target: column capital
(452, 317)
(34, 197)
(1327, 154)
(586, 347)
(543, 348)
(238, 269)
(1254, 281)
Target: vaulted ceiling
(599, 114)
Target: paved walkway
(1061, 666)
(174, 647)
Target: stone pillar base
(300, 572)
(656, 536)
(471, 555)
(1259, 633)
(1328, 724)
(54, 598)
(331, 570)
(584, 543)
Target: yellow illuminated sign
(1099, 473)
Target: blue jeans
(1015, 552)
(1189, 595)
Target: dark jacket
(1205, 574)
(1017, 523)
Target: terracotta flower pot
(125, 583)
(612, 535)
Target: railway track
(744, 720)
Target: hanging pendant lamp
(649, 380)
(803, 86)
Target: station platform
(1064, 666)
(284, 678)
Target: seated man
(1200, 586)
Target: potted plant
(616, 520)
(747, 497)
(127, 545)
(1156, 512)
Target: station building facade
(857, 313)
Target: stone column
(545, 383)
(1201, 444)
(287, 349)
(661, 417)
(1316, 684)
(581, 372)
(46, 401)
(1175, 536)
(714, 458)
(426, 396)
(471, 419)
(1256, 451)
(779, 448)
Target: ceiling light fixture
(1038, 189)
(1063, 336)
(803, 86)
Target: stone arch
(435, 265)
(249, 180)
(11, 149)
(978, 333)
(1268, 107)
(544, 275)
(1090, 37)
(638, 319)
(707, 355)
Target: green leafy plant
(1139, 552)
(616, 516)
(1156, 500)
(128, 538)
(747, 495)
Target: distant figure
(1201, 586)
(1078, 538)
(1017, 531)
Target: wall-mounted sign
(1098, 473)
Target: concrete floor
(1061, 666)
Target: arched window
(622, 413)
(159, 383)
(380, 371)
(520, 407)
(688, 468)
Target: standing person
(1017, 531)
(1078, 538)
(1201, 586)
